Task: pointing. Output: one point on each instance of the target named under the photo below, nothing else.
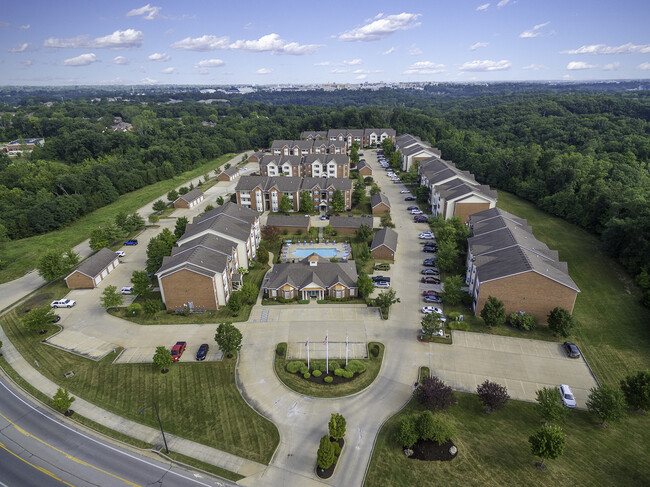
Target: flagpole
(327, 353)
(307, 352)
(346, 350)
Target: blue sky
(263, 42)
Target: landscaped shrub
(319, 365)
(281, 349)
(328, 379)
(355, 366)
(317, 373)
(303, 301)
(523, 322)
(334, 365)
(304, 369)
(295, 366)
(306, 375)
(134, 309)
(458, 325)
(454, 315)
(347, 374)
(374, 350)
(339, 372)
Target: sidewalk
(141, 432)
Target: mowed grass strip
(493, 450)
(22, 255)
(197, 401)
(299, 384)
(614, 335)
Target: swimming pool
(323, 252)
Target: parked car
(430, 250)
(432, 299)
(120, 253)
(430, 280)
(63, 303)
(380, 278)
(430, 263)
(177, 350)
(127, 290)
(202, 352)
(432, 247)
(431, 309)
(430, 272)
(409, 198)
(382, 267)
(56, 319)
(411, 208)
(567, 396)
(429, 260)
(382, 284)
(405, 191)
(131, 242)
(572, 349)
(430, 292)
(427, 237)
(323, 217)
(416, 212)
(420, 219)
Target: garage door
(110, 267)
(98, 279)
(104, 273)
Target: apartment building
(311, 165)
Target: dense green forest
(581, 155)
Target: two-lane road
(38, 449)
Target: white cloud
(535, 67)
(148, 12)
(209, 63)
(82, 60)
(362, 76)
(268, 43)
(339, 71)
(148, 81)
(486, 65)
(120, 60)
(576, 65)
(381, 28)
(27, 63)
(25, 27)
(19, 47)
(248, 26)
(482, 7)
(389, 51)
(644, 66)
(263, 71)
(169, 70)
(478, 45)
(360, 71)
(322, 63)
(425, 67)
(354, 62)
(162, 57)
(120, 39)
(536, 31)
(416, 51)
(503, 3)
(612, 66)
(595, 49)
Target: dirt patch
(36, 301)
(428, 451)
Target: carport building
(379, 204)
(347, 225)
(384, 244)
(364, 169)
(189, 199)
(229, 174)
(93, 270)
(291, 223)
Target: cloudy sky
(263, 42)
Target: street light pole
(159, 422)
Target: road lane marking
(40, 469)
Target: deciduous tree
(172, 196)
(493, 312)
(434, 394)
(337, 425)
(493, 396)
(547, 443)
(62, 400)
(365, 285)
(159, 205)
(111, 298)
(431, 323)
(37, 319)
(606, 402)
(636, 389)
(286, 205)
(162, 358)
(228, 337)
(179, 228)
(550, 406)
(561, 321)
(338, 201)
(141, 283)
(452, 292)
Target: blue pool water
(322, 252)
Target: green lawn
(614, 334)
(22, 255)
(200, 402)
(493, 450)
(303, 386)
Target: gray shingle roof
(200, 259)
(339, 159)
(379, 198)
(336, 143)
(492, 224)
(231, 209)
(508, 236)
(361, 165)
(288, 221)
(96, 263)
(350, 221)
(215, 243)
(457, 187)
(414, 149)
(269, 158)
(191, 195)
(386, 236)
(300, 274)
(279, 144)
(494, 213)
(231, 171)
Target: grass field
(199, 402)
(493, 450)
(22, 255)
(614, 335)
(302, 386)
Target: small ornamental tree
(338, 201)
(607, 403)
(183, 190)
(159, 205)
(547, 443)
(220, 200)
(408, 434)
(441, 429)
(550, 406)
(172, 196)
(434, 394)
(363, 234)
(229, 338)
(493, 396)
(424, 425)
(162, 358)
(561, 321)
(271, 234)
(431, 323)
(365, 284)
(62, 400)
(306, 202)
(337, 426)
(326, 453)
(98, 240)
(111, 298)
(235, 303)
(364, 252)
(141, 283)
(524, 322)
(179, 228)
(286, 205)
(452, 293)
(493, 312)
(38, 318)
(385, 300)
(249, 292)
(636, 389)
(151, 307)
(262, 255)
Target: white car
(127, 290)
(382, 284)
(405, 191)
(63, 303)
(427, 237)
(416, 212)
(431, 309)
(567, 396)
(120, 253)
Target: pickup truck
(63, 303)
(177, 350)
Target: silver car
(567, 396)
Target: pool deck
(288, 252)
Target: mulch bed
(428, 451)
(320, 380)
(36, 301)
(328, 472)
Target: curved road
(36, 448)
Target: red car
(430, 280)
(177, 350)
(430, 292)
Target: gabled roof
(386, 236)
(284, 184)
(493, 224)
(270, 158)
(288, 221)
(313, 134)
(339, 159)
(508, 236)
(215, 243)
(249, 183)
(279, 144)
(363, 164)
(350, 221)
(302, 144)
(231, 209)
(379, 198)
(231, 171)
(292, 160)
(457, 188)
(494, 214)
(355, 132)
(209, 261)
(300, 274)
(414, 149)
(96, 263)
(311, 158)
(221, 224)
(191, 195)
(336, 143)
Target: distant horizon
(257, 43)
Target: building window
(274, 293)
(287, 295)
(339, 294)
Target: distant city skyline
(289, 42)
